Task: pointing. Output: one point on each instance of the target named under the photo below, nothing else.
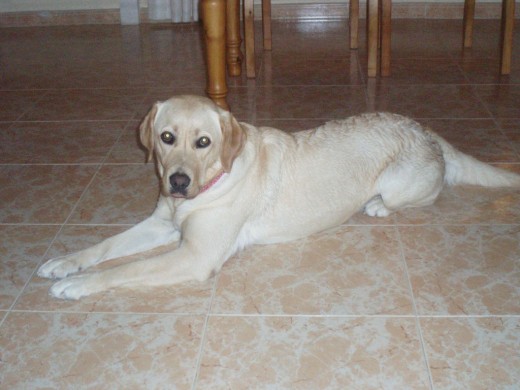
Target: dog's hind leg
(410, 184)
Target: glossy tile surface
(424, 299)
(312, 353)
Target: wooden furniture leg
(386, 36)
(508, 19)
(469, 16)
(233, 39)
(266, 24)
(354, 23)
(213, 14)
(372, 35)
(249, 34)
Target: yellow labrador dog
(226, 185)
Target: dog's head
(193, 141)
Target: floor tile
(511, 129)
(21, 248)
(486, 71)
(128, 148)
(131, 74)
(58, 142)
(426, 42)
(311, 40)
(467, 204)
(15, 103)
(309, 102)
(428, 101)
(185, 298)
(4, 126)
(464, 270)
(422, 72)
(501, 100)
(68, 351)
(17, 76)
(92, 104)
(41, 193)
(281, 70)
(349, 270)
(481, 139)
(473, 353)
(312, 353)
(119, 194)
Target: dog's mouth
(178, 195)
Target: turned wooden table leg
(508, 20)
(469, 16)
(213, 14)
(372, 36)
(354, 23)
(234, 55)
(266, 24)
(249, 32)
(386, 36)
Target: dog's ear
(233, 140)
(146, 134)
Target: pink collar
(210, 183)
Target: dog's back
(321, 177)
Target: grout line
(204, 332)
(414, 303)
(31, 106)
(60, 230)
(256, 315)
(36, 121)
(72, 164)
(477, 224)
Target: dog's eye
(203, 142)
(168, 138)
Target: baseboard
(317, 11)
(59, 18)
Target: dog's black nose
(179, 182)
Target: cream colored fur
(275, 187)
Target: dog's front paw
(59, 267)
(74, 287)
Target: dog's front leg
(166, 269)
(204, 249)
(154, 231)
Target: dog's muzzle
(179, 183)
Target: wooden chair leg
(353, 23)
(249, 35)
(508, 18)
(469, 16)
(266, 24)
(233, 39)
(213, 14)
(373, 27)
(386, 36)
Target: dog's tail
(464, 169)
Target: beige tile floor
(424, 299)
